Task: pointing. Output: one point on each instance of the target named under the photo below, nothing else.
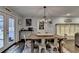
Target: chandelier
(45, 19)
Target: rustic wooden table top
(35, 36)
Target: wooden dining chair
(35, 46)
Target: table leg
(60, 46)
(43, 42)
(32, 49)
(55, 42)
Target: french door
(1, 30)
(11, 29)
(7, 30)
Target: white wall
(51, 27)
(35, 25)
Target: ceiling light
(45, 19)
(68, 14)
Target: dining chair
(35, 46)
(42, 47)
(26, 40)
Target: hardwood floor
(70, 46)
(18, 48)
(1, 43)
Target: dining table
(43, 37)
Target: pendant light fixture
(44, 12)
(45, 19)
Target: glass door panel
(11, 29)
(62, 30)
(72, 30)
(58, 29)
(66, 30)
(1, 31)
(77, 28)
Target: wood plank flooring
(70, 46)
(20, 48)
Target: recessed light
(68, 14)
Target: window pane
(72, 30)
(58, 29)
(76, 28)
(1, 31)
(11, 29)
(62, 30)
(67, 29)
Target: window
(1, 31)
(69, 29)
(76, 28)
(66, 29)
(62, 30)
(11, 29)
(58, 30)
(72, 31)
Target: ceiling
(38, 11)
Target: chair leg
(41, 49)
